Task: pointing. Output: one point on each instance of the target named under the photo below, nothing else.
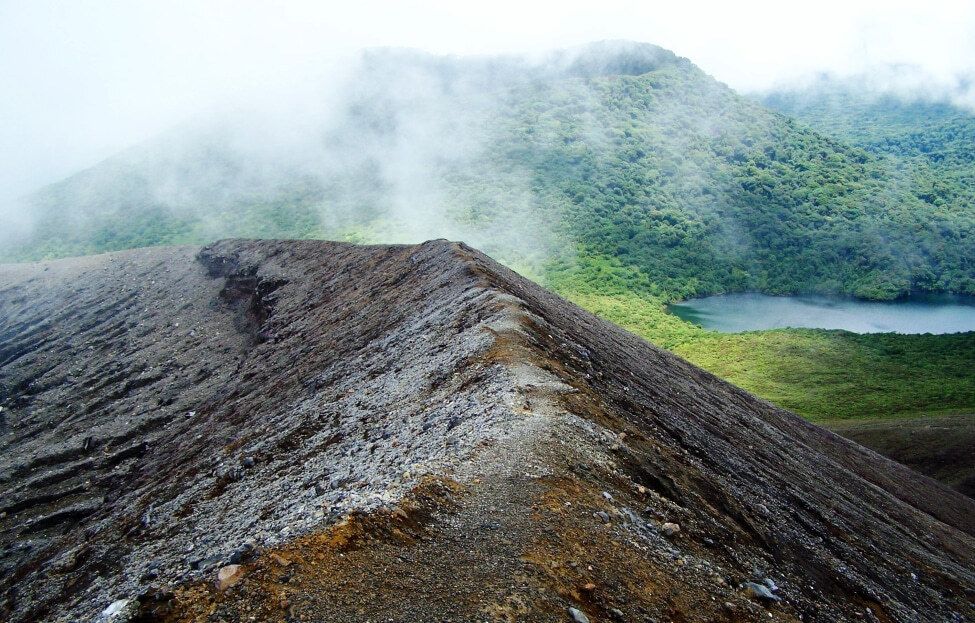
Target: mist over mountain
(616, 158)
(932, 128)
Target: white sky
(80, 79)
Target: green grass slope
(825, 376)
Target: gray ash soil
(415, 433)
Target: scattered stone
(761, 592)
(120, 611)
(298, 447)
(229, 575)
(578, 615)
(228, 475)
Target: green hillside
(933, 130)
(932, 139)
(619, 174)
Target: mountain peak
(617, 57)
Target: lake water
(732, 313)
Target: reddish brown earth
(415, 433)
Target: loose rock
(120, 611)
(760, 592)
(670, 529)
(229, 575)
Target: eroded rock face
(382, 418)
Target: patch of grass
(821, 375)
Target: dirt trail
(416, 433)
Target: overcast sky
(80, 80)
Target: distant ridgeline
(616, 166)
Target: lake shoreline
(920, 313)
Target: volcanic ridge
(317, 431)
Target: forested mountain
(886, 122)
(923, 132)
(614, 165)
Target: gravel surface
(313, 431)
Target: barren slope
(941, 446)
(416, 433)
